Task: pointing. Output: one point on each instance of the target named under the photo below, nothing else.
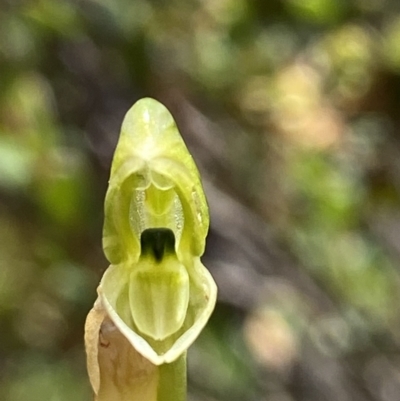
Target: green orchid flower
(156, 292)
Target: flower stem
(172, 380)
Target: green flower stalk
(156, 296)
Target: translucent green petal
(151, 149)
(113, 292)
(159, 297)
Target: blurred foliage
(291, 109)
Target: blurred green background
(291, 109)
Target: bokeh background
(291, 109)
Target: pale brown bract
(116, 370)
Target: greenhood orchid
(156, 292)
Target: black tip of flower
(157, 242)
